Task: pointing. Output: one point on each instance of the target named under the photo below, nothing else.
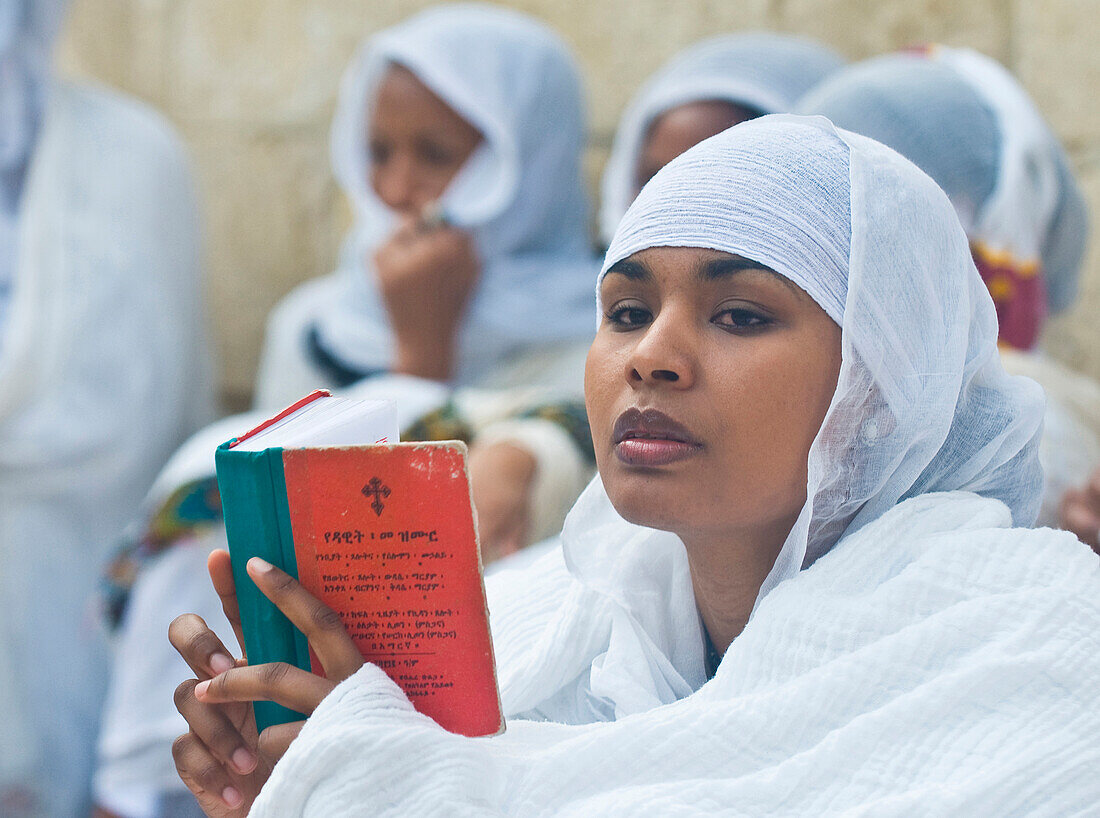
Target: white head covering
(965, 121)
(922, 403)
(760, 71)
(27, 32)
(520, 194)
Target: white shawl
(911, 651)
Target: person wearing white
(708, 87)
(966, 121)
(103, 371)
(519, 195)
(887, 636)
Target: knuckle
(184, 693)
(274, 673)
(181, 748)
(326, 619)
(285, 583)
(210, 776)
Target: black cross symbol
(379, 491)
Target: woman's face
(417, 143)
(683, 127)
(707, 381)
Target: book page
(385, 536)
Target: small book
(383, 532)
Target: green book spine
(257, 524)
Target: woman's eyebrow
(718, 268)
(724, 267)
(631, 269)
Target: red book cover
(385, 536)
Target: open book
(383, 532)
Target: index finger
(321, 625)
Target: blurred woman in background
(968, 123)
(103, 372)
(706, 88)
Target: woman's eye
(379, 153)
(741, 318)
(435, 155)
(627, 316)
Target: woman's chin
(649, 505)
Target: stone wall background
(251, 85)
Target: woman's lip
(637, 451)
(650, 424)
(648, 437)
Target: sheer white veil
(521, 194)
(761, 71)
(964, 120)
(922, 404)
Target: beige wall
(251, 85)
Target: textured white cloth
(935, 661)
(520, 195)
(102, 373)
(970, 126)
(763, 72)
(967, 123)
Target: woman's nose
(664, 354)
(395, 184)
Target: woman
(968, 124)
(798, 586)
(457, 138)
(103, 372)
(703, 90)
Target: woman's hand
(221, 759)
(1080, 512)
(501, 477)
(426, 275)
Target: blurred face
(684, 127)
(707, 381)
(417, 143)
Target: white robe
(936, 662)
(103, 371)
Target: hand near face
(501, 478)
(426, 276)
(221, 759)
(1080, 512)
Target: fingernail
(232, 796)
(200, 689)
(259, 565)
(243, 760)
(220, 663)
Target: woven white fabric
(966, 122)
(936, 661)
(760, 71)
(520, 195)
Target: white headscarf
(760, 71)
(965, 121)
(922, 403)
(27, 32)
(520, 194)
